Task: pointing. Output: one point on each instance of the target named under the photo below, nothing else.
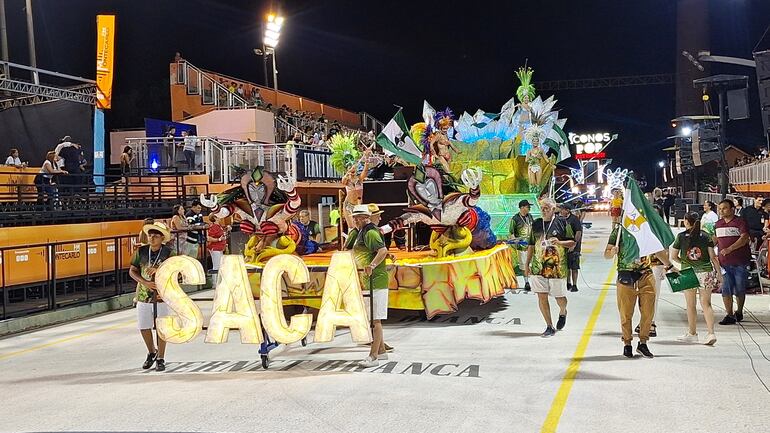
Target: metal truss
(36, 93)
(598, 83)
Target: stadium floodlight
(273, 25)
(272, 30)
(661, 164)
(686, 131)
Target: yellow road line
(560, 401)
(64, 340)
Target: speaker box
(763, 64)
(738, 103)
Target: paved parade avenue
(483, 369)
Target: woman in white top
(13, 159)
(709, 218)
(44, 179)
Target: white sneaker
(368, 362)
(382, 357)
(689, 338)
(710, 340)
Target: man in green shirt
(520, 229)
(635, 282)
(369, 251)
(149, 306)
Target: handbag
(683, 280)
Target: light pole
(270, 39)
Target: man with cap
(369, 251)
(144, 264)
(520, 228)
(573, 255)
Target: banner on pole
(105, 53)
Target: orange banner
(105, 52)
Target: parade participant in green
(546, 264)
(144, 264)
(694, 248)
(520, 229)
(369, 250)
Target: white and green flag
(645, 231)
(395, 138)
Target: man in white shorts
(369, 250)
(144, 264)
(546, 263)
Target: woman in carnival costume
(346, 158)
(535, 156)
(525, 93)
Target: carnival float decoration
(265, 205)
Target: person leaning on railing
(44, 179)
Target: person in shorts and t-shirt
(732, 235)
(546, 264)
(694, 248)
(573, 255)
(144, 264)
(520, 230)
(369, 251)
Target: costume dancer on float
(535, 156)
(346, 158)
(525, 93)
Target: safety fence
(48, 276)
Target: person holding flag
(641, 232)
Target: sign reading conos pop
(590, 145)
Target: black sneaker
(653, 330)
(628, 351)
(549, 332)
(728, 320)
(739, 316)
(561, 322)
(526, 287)
(149, 361)
(574, 288)
(569, 287)
(637, 329)
(642, 349)
(160, 365)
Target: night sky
(367, 56)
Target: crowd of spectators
(761, 155)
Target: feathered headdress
(344, 151)
(535, 131)
(526, 88)
(444, 119)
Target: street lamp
(661, 164)
(272, 34)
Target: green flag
(395, 138)
(644, 231)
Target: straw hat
(361, 209)
(157, 226)
(374, 209)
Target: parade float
(468, 175)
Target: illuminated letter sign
(234, 308)
(270, 298)
(234, 304)
(342, 303)
(188, 322)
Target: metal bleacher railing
(73, 198)
(223, 161)
(752, 174)
(198, 82)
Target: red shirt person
(216, 241)
(732, 235)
